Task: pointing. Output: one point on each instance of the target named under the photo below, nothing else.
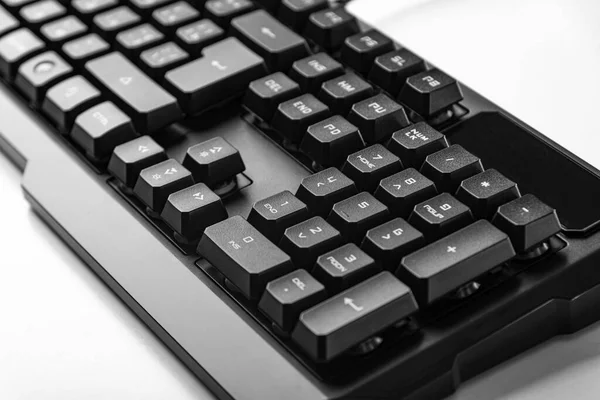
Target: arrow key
(370, 165)
(322, 190)
(157, 182)
(129, 159)
(389, 242)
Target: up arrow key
(266, 31)
(125, 80)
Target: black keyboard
(357, 206)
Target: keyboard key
(86, 47)
(214, 161)
(486, 191)
(344, 267)
(415, 142)
(146, 6)
(174, 15)
(450, 166)
(63, 29)
(101, 128)
(389, 242)
(330, 27)
(223, 11)
(150, 112)
(359, 51)
(354, 216)
(224, 71)
(430, 92)
(342, 92)
(293, 117)
(286, 297)
(440, 216)
(243, 255)
(134, 40)
(305, 241)
(200, 34)
(88, 8)
(129, 159)
(15, 3)
(367, 167)
(158, 60)
(37, 74)
(265, 94)
(273, 215)
(329, 142)
(42, 11)
(402, 191)
(191, 210)
(391, 70)
(15, 47)
(312, 71)
(157, 182)
(360, 312)
(67, 99)
(378, 117)
(322, 190)
(446, 265)
(527, 221)
(112, 21)
(7, 21)
(295, 13)
(274, 42)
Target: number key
(356, 215)
(403, 190)
(368, 166)
(440, 216)
(389, 242)
(322, 190)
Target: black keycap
(402, 191)
(7, 21)
(101, 128)
(389, 242)
(193, 209)
(63, 29)
(528, 221)
(15, 47)
(440, 216)
(450, 166)
(265, 94)
(199, 34)
(42, 11)
(146, 6)
(295, 13)
(274, 42)
(354, 216)
(305, 241)
(286, 297)
(37, 74)
(67, 99)
(344, 267)
(214, 161)
(134, 40)
(360, 312)
(378, 117)
(86, 47)
(293, 117)
(430, 93)
(12, 4)
(273, 215)
(446, 265)
(150, 112)
(241, 253)
(312, 71)
(157, 182)
(415, 142)
(367, 167)
(115, 20)
(88, 8)
(322, 190)
(342, 92)
(359, 51)
(223, 11)
(391, 70)
(485, 192)
(174, 15)
(129, 159)
(158, 60)
(330, 27)
(224, 71)
(330, 141)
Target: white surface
(64, 335)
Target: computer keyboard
(370, 202)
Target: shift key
(149, 105)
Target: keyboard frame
(219, 341)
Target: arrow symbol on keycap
(216, 149)
(198, 196)
(143, 149)
(267, 32)
(349, 302)
(170, 171)
(301, 235)
(386, 237)
(125, 80)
